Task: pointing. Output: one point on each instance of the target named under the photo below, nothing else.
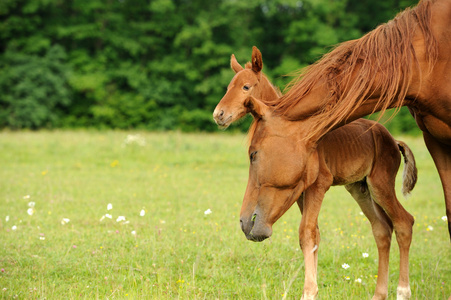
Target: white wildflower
(430, 228)
(26, 197)
(14, 227)
(142, 212)
(65, 221)
(7, 218)
(345, 266)
(109, 206)
(445, 218)
(31, 204)
(106, 216)
(207, 212)
(30, 211)
(359, 280)
(134, 232)
(365, 255)
(120, 218)
(134, 139)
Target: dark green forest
(159, 64)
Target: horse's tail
(409, 176)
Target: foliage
(158, 64)
(34, 89)
(65, 247)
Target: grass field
(159, 241)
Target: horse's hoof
(308, 297)
(403, 293)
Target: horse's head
(282, 166)
(234, 105)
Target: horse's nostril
(221, 114)
(253, 218)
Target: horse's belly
(351, 171)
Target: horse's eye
(252, 156)
(246, 88)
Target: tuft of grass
(180, 196)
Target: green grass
(178, 251)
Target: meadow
(139, 215)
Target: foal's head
(282, 166)
(248, 82)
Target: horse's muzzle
(220, 119)
(254, 228)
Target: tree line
(159, 64)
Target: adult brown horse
(349, 156)
(405, 62)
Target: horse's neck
(267, 92)
(314, 104)
(316, 101)
(311, 104)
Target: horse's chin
(256, 238)
(223, 124)
(259, 234)
(223, 127)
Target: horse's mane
(349, 70)
(279, 93)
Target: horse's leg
(382, 230)
(441, 155)
(309, 237)
(300, 203)
(381, 183)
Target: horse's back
(360, 131)
(351, 151)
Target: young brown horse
(405, 62)
(362, 156)
(349, 156)
(249, 81)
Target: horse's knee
(404, 229)
(308, 236)
(407, 219)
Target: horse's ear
(235, 65)
(257, 61)
(257, 108)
